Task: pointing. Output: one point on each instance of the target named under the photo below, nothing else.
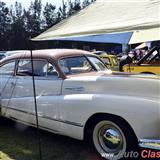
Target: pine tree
(17, 25)
(85, 3)
(5, 21)
(32, 18)
(62, 12)
(17, 34)
(73, 7)
(50, 16)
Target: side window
(41, 67)
(106, 60)
(50, 70)
(74, 65)
(7, 69)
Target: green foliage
(63, 10)
(17, 34)
(4, 24)
(33, 18)
(50, 15)
(18, 25)
(74, 6)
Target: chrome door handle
(75, 88)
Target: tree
(4, 25)
(50, 16)
(17, 33)
(32, 18)
(17, 25)
(73, 7)
(85, 3)
(62, 12)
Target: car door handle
(75, 88)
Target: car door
(7, 81)
(48, 89)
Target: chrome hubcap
(110, 139)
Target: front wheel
(111, 140)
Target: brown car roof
(48, 53)
(54, 54)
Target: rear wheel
(113, 140)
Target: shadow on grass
(19, 142)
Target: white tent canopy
(107, 16)
(152, 34)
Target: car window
(2, 56)
(74, 65)
(41, 68)
(115, 61)
(99, 65)
(106, 60)
(7, 69)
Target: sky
(26, 3)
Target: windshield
(81, 64)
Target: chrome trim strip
(32, 124)
(46, 117)
(63, 121)
(150, 143)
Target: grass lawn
(19, 142)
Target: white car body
(66, 105)
(75, 100)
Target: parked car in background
(110, 60)
(2, 54)
(79, 97)
(148, 64)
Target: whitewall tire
(109, 140)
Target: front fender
(142, 114)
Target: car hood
(116, 83)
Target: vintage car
(149, 64)
(79, 97)
(110, 60)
